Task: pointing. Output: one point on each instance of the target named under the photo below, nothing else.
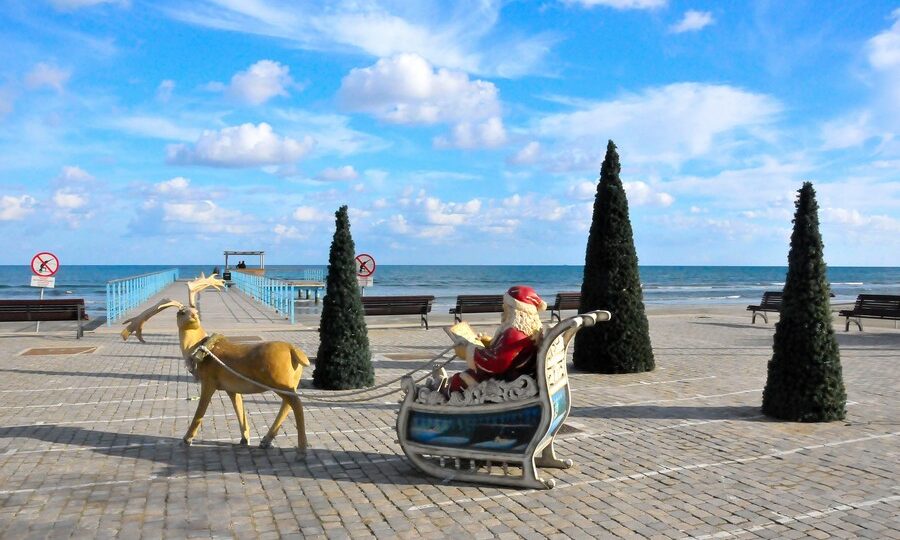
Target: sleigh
(498, 432)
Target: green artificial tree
(611, 282)
(804, 382)
(343, 361)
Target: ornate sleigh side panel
(496, 443)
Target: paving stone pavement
(90, 446)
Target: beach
(681, 451)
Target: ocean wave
(855, 283)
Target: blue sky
(136, 132)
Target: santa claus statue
(512, 350)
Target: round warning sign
(365, 265)
(44, 264)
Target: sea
(662, 285)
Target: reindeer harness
(201, 351)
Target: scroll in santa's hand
(462, 334)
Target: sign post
(44, 266)
(365, 269)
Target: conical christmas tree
(343, 361)
(805, 381)
(611, 282)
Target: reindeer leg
(206, 393)
(266, 442)
(297, 405)
(238, 403)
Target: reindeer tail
(298, 357)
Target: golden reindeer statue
(274, 364)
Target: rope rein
(208, 353)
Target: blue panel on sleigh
(507, 431)
(560, 401)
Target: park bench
(476, 303)
(399, 305)
(565, 300)
(499, 431)
(771, 302)
(69, 309)
(872, 306)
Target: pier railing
(126, 293)
(314, 274)
(275, 293)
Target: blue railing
(126, 293)
(314, 274)
(275, 293)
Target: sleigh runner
(497, 432)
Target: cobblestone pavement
(90, 446)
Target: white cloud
(247, 145)
(620, 4)
(397, 224)
(667, 124)
(333, 174)
(583, 191)
(179, 184)
(164, 90)
(307, 214)
(68, 199)
(73, 173)
(641, 194)
(406, 89)
(332, 132)
(207, 217)
(780, 214)
(469, 135)
(884, 58)
(847, 132)
(72, 5)
(692, 22)
(261, 82)
(15, 208)
(438, 212)
(47, 75)
(153, 127)
(853, 218)
(288, 232)
(884, 48)
(527, 155)
(458, 35)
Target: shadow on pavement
(104, 374)
(225, 457)
(736, 412)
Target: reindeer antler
(197, 285)
(136, 323)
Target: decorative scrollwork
(489, 391)
(555, 364)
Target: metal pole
(38, 327)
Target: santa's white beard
(523, 321)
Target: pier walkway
(221, 310)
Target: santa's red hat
(524, 298)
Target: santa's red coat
(510, 352)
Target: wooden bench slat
(565, 300)
(771, 302)
(398, 305)
(67, 309)
(872, 306)
(476, 303)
